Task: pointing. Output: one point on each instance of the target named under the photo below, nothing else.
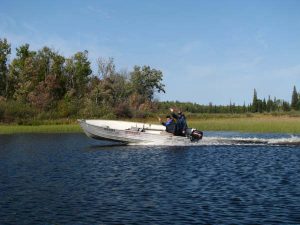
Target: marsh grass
(256, 123)
(262, 124)
(246, 123)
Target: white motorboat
(133, 132)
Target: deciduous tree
(78, 70)
(146, 81)
(5, 51)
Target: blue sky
(209, 51)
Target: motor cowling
(194, 135)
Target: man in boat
(170, 124)
(181, 124)
(177, 125)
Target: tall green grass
(257, 125)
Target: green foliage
(78, 71)
(145, 81)
(295, 99)
(68, 108)
(123, 110)
(44, 85)
(255, 103)
(45, 94)
(90, 110)
(298, 105)
(106, 68)
(16, 111)
(5, 51)
(23, 73)
(2, 109)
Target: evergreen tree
(285, 106)
(264, 105)
(255, 102)
(269, 104)
(298, 105)
(244, 108)
(259, 104)
(295, 99)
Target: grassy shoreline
(253, 124)
(250, 125)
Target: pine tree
(294, 99)
(254, 102)
(244, 107)
(269, 104)
(264, 105)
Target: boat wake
(252, 141)
(244, 141)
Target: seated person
(181, 123)
(170, 124)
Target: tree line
(44, 84)
(275, 105)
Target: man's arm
(174, 115)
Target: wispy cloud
(6, 22)
(30, 28)
(224, 69)
(19, 33)
(106, 14)
(200, 72)
(245, 64)
(291, 72)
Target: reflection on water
(70, 179)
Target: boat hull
(130, 132)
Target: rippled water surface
(70, 179)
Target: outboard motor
(194, 135)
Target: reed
(263, 124)
(253, 123)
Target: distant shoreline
(238, 123)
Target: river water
(71, 179)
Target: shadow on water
(106, 145)
(122, 146)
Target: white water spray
(231, 141)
